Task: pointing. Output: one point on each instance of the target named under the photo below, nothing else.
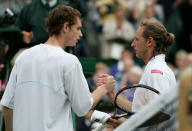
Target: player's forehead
(78, 22)
(139, 31)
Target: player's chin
(73, 44)
(138, 55)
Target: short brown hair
(163, 39)
(59, 16)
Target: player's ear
(65, 27)
(150, 42)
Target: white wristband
(99, 116)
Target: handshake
(105, 85)
(107, 82)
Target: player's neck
(151, 56)
(147, 60)
(147, 57)
(55, 41)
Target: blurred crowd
(109, 27)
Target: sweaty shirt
(157, 75)
(45, 83)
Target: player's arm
(111, 92)
(78, 93)
(122, 100)
(7, 100)
(105, 84)
(108, 84)
(8, 115)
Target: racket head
(122, 103)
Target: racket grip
(119, 116)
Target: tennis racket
(122, 102)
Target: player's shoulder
(69, 55)
(22, 53)
(70, 58)
(158, 68)
(69, 61)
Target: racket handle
(119, 116)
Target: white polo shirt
(45, 83)
(157, 75)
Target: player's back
(40, 93)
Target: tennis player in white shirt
(151, 43)
(46, 82)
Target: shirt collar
(52, 3)
(159, 58)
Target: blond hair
(163, 39)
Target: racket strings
(123, 102)
(124, 98)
